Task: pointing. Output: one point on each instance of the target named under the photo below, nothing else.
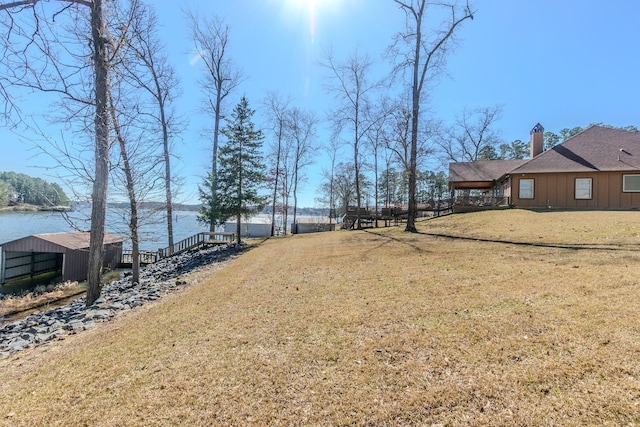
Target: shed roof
(597, 148)
(72, 240)
(76, 239)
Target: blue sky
(561, 63)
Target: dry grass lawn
(510, 318)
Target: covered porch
(481, 185)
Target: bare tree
(301, 130)
(423, 55)
(146, 67)
(350, 84)
(339, 186)
(277, 109)
(131, 193)
(397, 137)
(471, 135)
(211, 39)
(29, 44)
(332, 150)
(376, 142)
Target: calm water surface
(153, 234)
(153, 227)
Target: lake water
(153, 227)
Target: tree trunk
(167, 180)
(167, 167)
(133, 202)
(415, 114)
(99, 193)
(295, 194)
(275, 185)
(357, 169)
(285, 203)
(214, 163)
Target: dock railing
(197, 240)
(200, 239)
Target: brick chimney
(537, 140)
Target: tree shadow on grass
(395, 239)
(572, 246)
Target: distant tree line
(20, 188)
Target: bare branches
(471, 135)
(211, 38)
(211, 43)
(423, 55)
(353, 91)
(45, 49)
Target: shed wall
(76, 264)
(24, 264)
(73, 263)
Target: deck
(364, 217)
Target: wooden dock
(196, 241)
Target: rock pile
(156, 280)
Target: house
(598, 168)
(66, 253)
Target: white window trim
(624, 184)
(578, 195)
(520, 192)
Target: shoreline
(35, 208)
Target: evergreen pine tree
(241, 170)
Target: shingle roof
(481, 171)
(595, 149)
(76, 240)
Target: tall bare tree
(353, 90)
(423, 52)
(211, 38)
(146, 67)
(131, 193)
(29, 43)
(276, 111)
(332, 149)
(376, 142)
(301, 130)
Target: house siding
(557, 190)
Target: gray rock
(19, 344)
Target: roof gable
(596, 149)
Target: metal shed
(64, 252)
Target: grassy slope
(378, 327)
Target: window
(583, 188)
(526, 188)
(631, 183)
